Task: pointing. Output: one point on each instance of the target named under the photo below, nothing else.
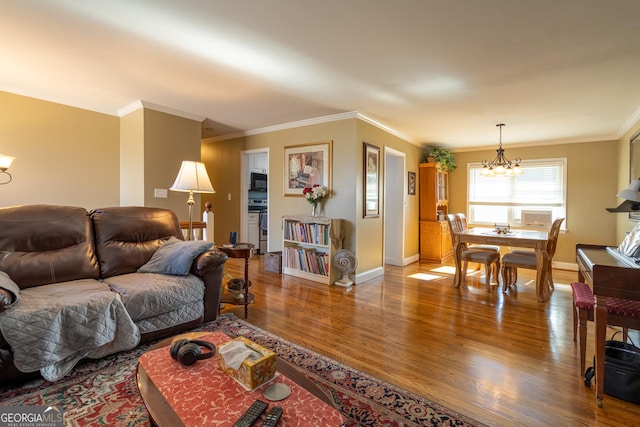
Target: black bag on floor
(621, 370)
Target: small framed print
(307, 165)
(411, 182)
(371, 168)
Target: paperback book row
(309, 260)
(317, 234)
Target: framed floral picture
(307, 165)
(371, 180)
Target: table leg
(246, 287)
(601, 336)
(542, 287)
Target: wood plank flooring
(501, 358)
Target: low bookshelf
(308, 246)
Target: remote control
(252, 414)
(272, 417)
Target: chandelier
(501, 165)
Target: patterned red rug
(104, 392)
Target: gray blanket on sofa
(52, 327)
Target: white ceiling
(437, 71)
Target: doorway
(254, 201)
(395, 190)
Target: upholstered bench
(583, 311)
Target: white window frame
(509, 210)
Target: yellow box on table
(257, 369)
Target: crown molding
(134, 106)
(308, 122)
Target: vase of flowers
(314, 195)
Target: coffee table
(163, 400)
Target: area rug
(104, 392)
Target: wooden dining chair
(480, 256)
(528, 259)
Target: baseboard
(411, 259)
(570, 266)
(368, 275)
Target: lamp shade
(5, 161)
(632, 193)
(193, 177)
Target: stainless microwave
(258, 181)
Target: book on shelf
(307, 259)
(317, 234)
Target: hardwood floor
(501, 358)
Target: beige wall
(64, 155)
(71, 156)
(222, 159)
(591, 183)
(132, 159)
(168, 140)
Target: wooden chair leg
(575, 322)
(487, 275)
(465, 265)
(505, 278)
(583, 315)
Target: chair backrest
(553, 237)
(455, 225)
(463, 221)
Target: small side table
(241, 250)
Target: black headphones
(189, 352)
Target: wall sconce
(192, 178)
(631, 196)
(5, 162)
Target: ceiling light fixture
(501, 165)
(5, 162)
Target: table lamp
(192, 178)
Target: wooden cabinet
(308, 246)
(435, 239)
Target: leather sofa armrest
(209, 266)
(6, 299)
(206, 261)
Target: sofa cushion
(43, 244)
(127, 237)
(186, 313)
(148, 295)
(175, 257)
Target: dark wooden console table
(241, 250)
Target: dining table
(536, 240)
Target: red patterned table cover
(203, 394)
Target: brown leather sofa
(46, 244)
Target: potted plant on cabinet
(439, 155)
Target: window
(501, 199)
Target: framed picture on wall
(371, 180)
(411, 182)
(306, 165)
